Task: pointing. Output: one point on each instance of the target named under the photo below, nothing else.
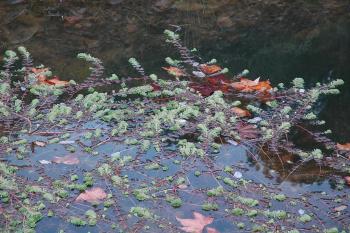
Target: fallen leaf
(340, 208)
(344, 147)
(195, 225)
(68, 159)
(347, 180)
(44, 161)
(92, 195)
(240, 112)
(212, 230)
(210, 69)
(71, 20)
(247, 85)
(247, 131)
(56, 81)
(177, 72)
(40, 143)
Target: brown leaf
(92, 195)
(210, 69)
(247, 131)
(344, 147)
(195, 225)
(177, 72)
(68, 159)
(240, 112)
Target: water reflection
(275, 39)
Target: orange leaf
(68, 159)
(345, 147)
(92, 195)
(56, 81)
(246, 85)
(177, 72)
(195, 225)
(240, 112)
(210, 69)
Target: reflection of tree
(288, 167)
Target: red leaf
(195, 225)
(155, 86)
(92, 195)
(68, 159)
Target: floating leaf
(347, 180)
(247, 85)
(210, 69)
(344, 147)
(68, 159)
(56, 81)
(240, 112)
(177, 72)
(39, 143)
(195, 225)
(92, 195)
(212, 230)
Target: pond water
(273, 39)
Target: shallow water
(273, 39)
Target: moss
(210, 206)
(92, 217)
(141, 212)
(77, 221)
(305, 218)
(331, 230)
(174, 201)
(152, 166)
(141, 194)
(215, 191)
(252, 213)
(230, 182)
(279, 197)
(237, 212)
(240, 225)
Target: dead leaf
(92, 195)
(344, 147)
(347, 180)
(56, 81)
(68, 159)
(40, 143)
(177, 72)
(240, 112)
(210, 69)
(247, 85)
(340, 208)
(195, 225)
(212, 230)
(71, 20)
(247, 131)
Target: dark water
(273, 39)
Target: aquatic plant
(183, 120)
